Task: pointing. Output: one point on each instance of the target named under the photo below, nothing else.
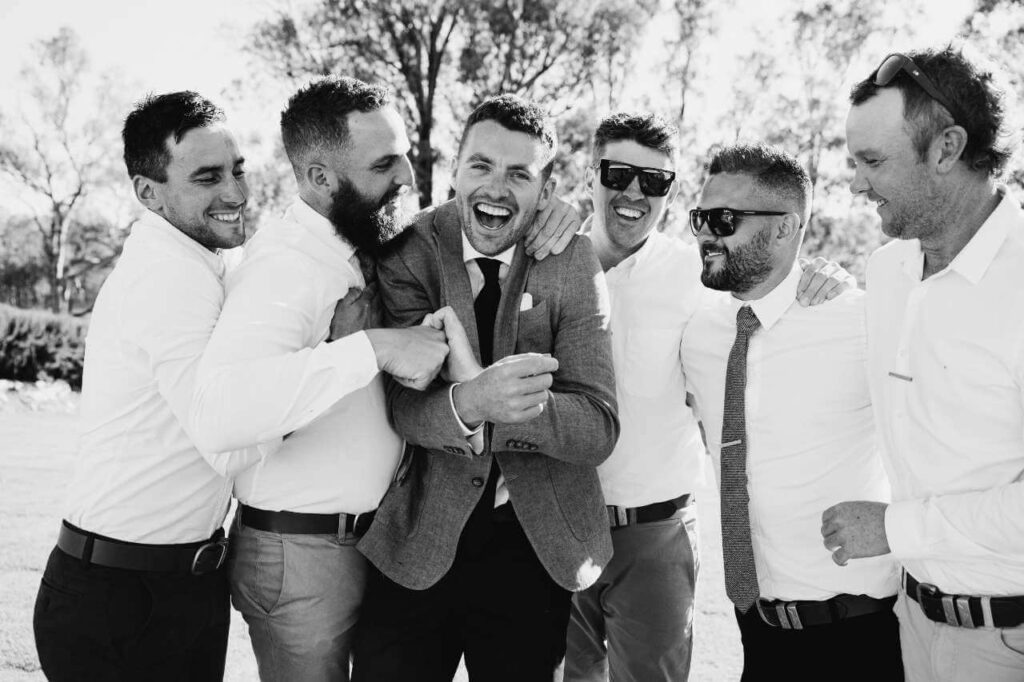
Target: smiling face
(371, 173)
(889, 171)
(499, 185)
(746, 258)
(205, 192)
(627, 217)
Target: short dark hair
(518, 115)
(975, 89)
(774, 171)
(647, 130)
(156, 118)
(317, 115)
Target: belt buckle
(209, 553)
(948, 607)
(786, 612)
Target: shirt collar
(470, 254)
(974, 259)
(305, 215)
(159, 225)
(628, 264)
(772, 306)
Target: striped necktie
(740, 574)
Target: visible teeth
(630, 213)
(882, 202)
(496, 211)
(226, 217)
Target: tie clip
(731, 443)
(902, 377)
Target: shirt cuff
(475, 437)
(904, 529)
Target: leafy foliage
(36, 344)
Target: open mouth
(881, 202)
(628, 213)
(711, 252)
(492, 216)
(223, 217)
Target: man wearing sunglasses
(782, 394)
(930, 135)
(635, 623)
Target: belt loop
(794, 616)
(963, 609)
(342, 518)
(986, 611)
(87, 550)
(780, 611)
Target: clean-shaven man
(135, 588)
(497, 515)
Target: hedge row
(35, 344)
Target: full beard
(366, 223)
(744, 268)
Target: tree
(441, 58)
(61, 152)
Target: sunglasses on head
(654, 182)
(895, 63)
(721, 221)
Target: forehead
(735, 190)
(494, 141)
(203, 147)
(372, 134)
(877, 124)
(634, 153)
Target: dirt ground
(36, 453)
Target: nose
(405, 173)
(858, 185)
(236, 191)
(632, 190)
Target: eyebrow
(387, 158)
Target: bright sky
(164, 44)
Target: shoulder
(890, 255)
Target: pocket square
(526, 302)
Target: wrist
(464, 410)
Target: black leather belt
(619, 517)
(963, 610)
(797, 615)
(193, 557)
(298, 523)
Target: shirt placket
(901, 379)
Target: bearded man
(279, 371)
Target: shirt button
(478, 482)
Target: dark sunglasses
(721, 221)
(654, 182)
(895, 63)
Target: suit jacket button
(477, 481)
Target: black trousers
(862, 649)
(97, 623)
(497, 605)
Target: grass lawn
(36, 452)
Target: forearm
(574, 427)
(258, 399)
(972, 525)
(425, 418)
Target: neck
(315, 201)
(609, 254)
(779, 272)
(960, 222)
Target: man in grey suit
(496, 516)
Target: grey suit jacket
(549, 463)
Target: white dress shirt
(810, 432)
(659, 455)
(317, 409)
(138, 476)
(947, 377)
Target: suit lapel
(507, 323)
(456, 290)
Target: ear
(590, 177)
(319, 178)
(948, 147)
(546, 193)
(148, 192)
(789, 227)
